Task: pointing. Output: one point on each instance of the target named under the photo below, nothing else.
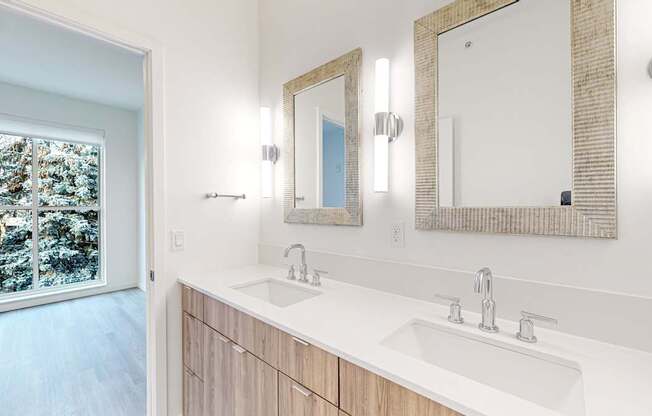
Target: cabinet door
(192, 302)
(193, 335)
(193, 395)
(310, 366)
(219, 391)
(296, 400)
(254, 335)
(256, 385)
(363, 393)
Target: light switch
(178, 240)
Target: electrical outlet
(397, 235)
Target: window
(50, 212)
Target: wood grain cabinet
(193, 345)
(296, 400)
(363, 393)
(192, 302)
(193, 395)
(236, 383)
(252, 334)
(256, 385)
(237, 365)
(310, 366)
(219, 391)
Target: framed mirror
(321, 111)
(515, 118)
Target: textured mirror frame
(349, 66)
(593, 60)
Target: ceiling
(39, 55)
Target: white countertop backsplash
(351, 321)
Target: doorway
(65, 223)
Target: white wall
(297, 35)
(211, 132)
(121, 171)
(510, 97)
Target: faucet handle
(291, 275)
(455, 315)
(526, 326)
(316, 277)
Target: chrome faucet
(483, 283)
(303, 267)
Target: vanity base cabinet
(310, 366)
(193, 394)
(219, 390)
(237, 365)
(296, 400)
(192, 335)
(192, 302)
(363, 393)
(236, 383)
(252, 334)
(256, 385)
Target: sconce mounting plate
(388, 124)
(270, 152)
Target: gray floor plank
(83, 357)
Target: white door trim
(74, 18)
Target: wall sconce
(270, 152)
(387, 126)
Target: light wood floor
(83, 357)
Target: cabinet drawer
(310, 366)
(193, 344)
(255, 336)
(219, 392)
(192, 302)
(363, 393)
(255, 384)
(296, 400)
(193, 395)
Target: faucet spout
(303, 267)
(483, 283)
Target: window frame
(35, 209)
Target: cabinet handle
(239, 349)
(300, 341)
(301, 390)
(223, 339)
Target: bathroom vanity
(255, 343)
(235, 364)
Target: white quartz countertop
(351, 321)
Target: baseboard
(60, 297)
(605, 316)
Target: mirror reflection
(319, 146)
(505, 114)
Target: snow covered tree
(68, 240)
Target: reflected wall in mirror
(505, 116)
(515, 117)
(322, 144)
(319, 150)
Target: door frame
(73, 18)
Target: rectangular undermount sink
(276, 292)
(545, 380)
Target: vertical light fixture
(269, 151)
(387, 126)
